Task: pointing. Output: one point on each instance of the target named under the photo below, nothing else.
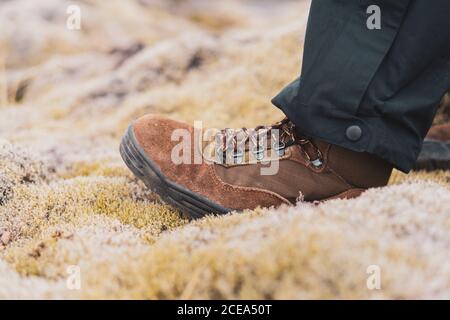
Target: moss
(439, 176)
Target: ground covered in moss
(66, 198)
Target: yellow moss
(26, 260)
(439, 176)
(139, 215)
(215, 22)
(95, 168)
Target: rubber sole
(189, 203)
(435, 155)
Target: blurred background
(68, 81)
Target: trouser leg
(372, 90)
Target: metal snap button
(353, 133)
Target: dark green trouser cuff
(363, 134)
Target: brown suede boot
(244, 169)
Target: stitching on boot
(244, 190)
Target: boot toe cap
(154, 134)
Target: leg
(372, 90)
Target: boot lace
(278, 136)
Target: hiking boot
(435, 153)
(244, 169)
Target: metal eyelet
(317, 163)
(279, 148)
(258, 152)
